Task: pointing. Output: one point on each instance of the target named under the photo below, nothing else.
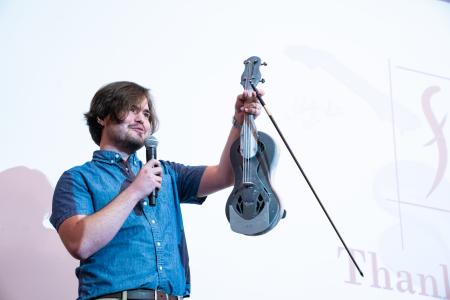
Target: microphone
(150, 150)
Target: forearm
(220, 176)
(225, 168)
(85, 235)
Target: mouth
(138, 129)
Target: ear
(100, 121)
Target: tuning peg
(263, 64)
(262, 80)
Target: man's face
(129, 135)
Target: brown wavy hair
(115, 100)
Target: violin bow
(304, 175)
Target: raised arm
(221, 176)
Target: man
(127, 248)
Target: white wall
(346, 81)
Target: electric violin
(253, 207)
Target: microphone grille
(151, 141)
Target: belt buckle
(165, 294)
(167, 297)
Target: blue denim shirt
(149, 251)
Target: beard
(128, 143)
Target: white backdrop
(361, 90)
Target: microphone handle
(151, 154)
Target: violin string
(246, 129)
(243, 151)
(247, 91)
(245, 147)
(248, 145)
(247, 153)
(243, 154)
(249, 124)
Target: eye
(147, 114)
(134, 109)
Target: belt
(140, 294)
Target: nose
(139, 117)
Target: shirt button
(117, 155)
(158, 244)
(153, 221)
(145, 203)
(160, 268)
(112, 161)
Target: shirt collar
(112, 157)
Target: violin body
(253, 207)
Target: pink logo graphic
(439, 138)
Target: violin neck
(249, 122)
(249, 141)
(249, 119)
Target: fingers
(260, 92)
(154, 163)
(252, 108)
(154, 172)
(158, 183)
(250, 95)
(154, 166)
(247, 102)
